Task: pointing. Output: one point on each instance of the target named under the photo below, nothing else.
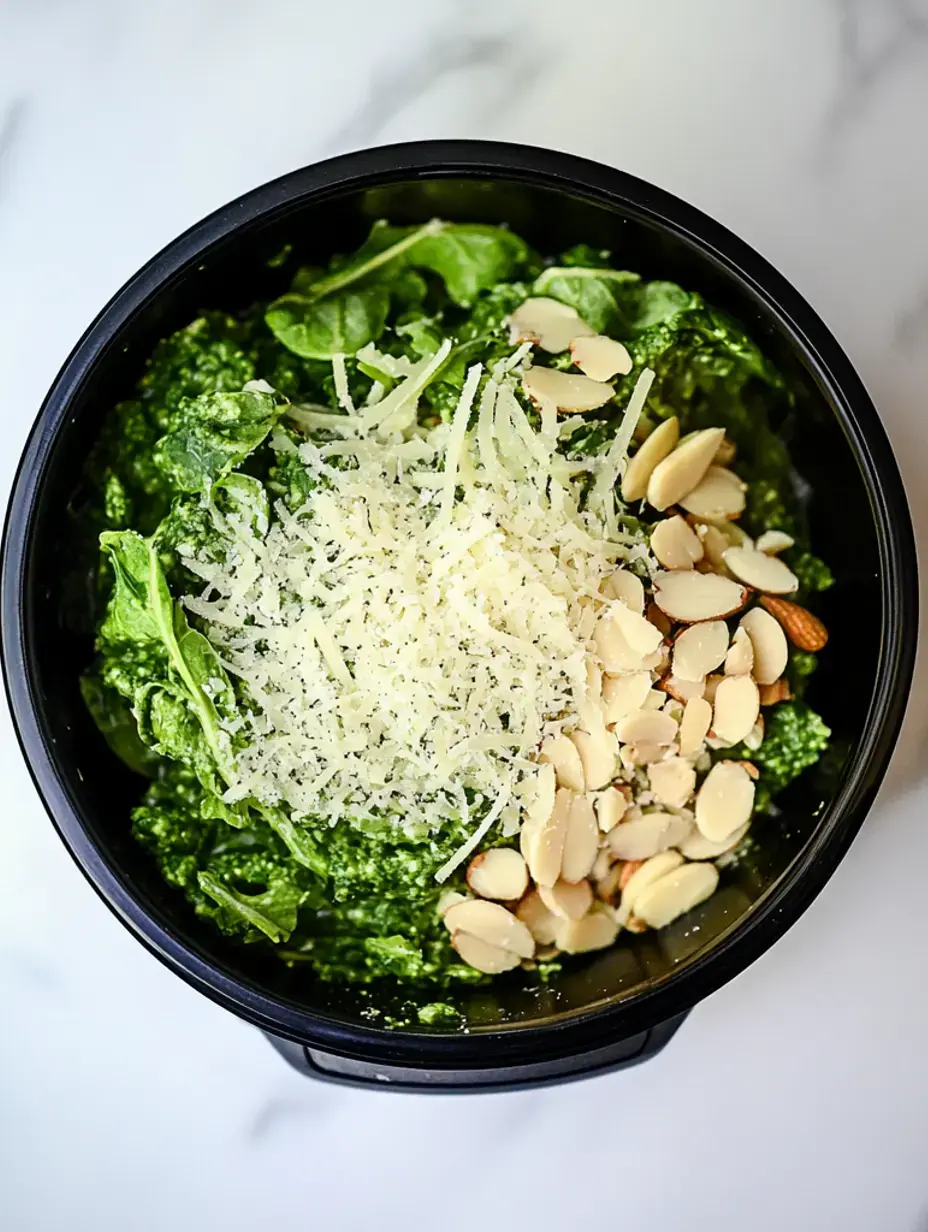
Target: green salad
(455, 607)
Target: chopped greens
(238, 422)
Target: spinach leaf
(113, 716)
(207, 436)
(614, 302)
(272, 912)
(193, 685)
(469, 257)
(339, 324)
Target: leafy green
(340, 324)
(794, 739)
(614, 302)
(113, 716)
(273, 911)
(207, 436)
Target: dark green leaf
(469, 257)
(614, 302)
(273, 912)
(341, 323)
(113, 716)
(208, 436)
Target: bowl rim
(782, 904)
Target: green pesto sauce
(358, 902)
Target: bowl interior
(231, 274)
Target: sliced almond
(755, 737)
(639, 633)
(536, 917)
(724, 801)
(771, 694)
(766, 573)
(698, 847)
(624, 694)
(654, 449)
(689, 597)
(768, 642)
(567, 901)
(641, 754)
(613, 649)
(448, 899)
(750, 769)
(561, 753)
(725, 453)
(655, 700)
(499, 873)
(582, 840)
(596, 931)
(646, 727)
(682, 690)
(549, 323)
(673, 781)
(600, 357)
(804, 630)
(715, 544)
(483, 956)
(676, 893)
(675, 544)
(719, 494)
(647, 835)
(569, 391)
(680, 472)
(737, 705)
(699, 649)
(602, 864)
(695, 724)
(645, 873)
(740, 658)
(772, 542)
(492, 924)
(611, 805)
(627, 586)
(542, 842)
(608, 885)
(598, 751)
(712, 684)
(658, 619)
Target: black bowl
(601, 1009)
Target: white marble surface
(796, 1097)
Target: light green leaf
(341, 323)
(209, 435)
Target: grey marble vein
(11, 121)
(875, 40)
(451, 52)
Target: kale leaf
(794, 739)
(207, 436)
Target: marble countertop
(795, 1097)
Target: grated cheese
(407, 651)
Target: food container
(605, 1009)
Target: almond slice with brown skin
(673, 781)
(737, 705)
(623, 694)
(600, 357)
(567, 901)
(536, 917)
(690, 597)
(581, 842)
(645, 873)
(561, 753)
(596, 931)
(627, 586)
(448, 899)
(611, 806)
(699, 649)
(492, 924)
(724, 801)
(646, 727)
(772, 542)
(646, 836)
(680, 472)
(698, 847)
(682, 690)
(769, 644)
(542, 842)
(779, 691)
(643, 637)
(766, 573)
(569, 391)
(499, 873)
(654, 449)
(804, 630)
(740, 658)
(658, 619)
(548, 322)
(675, 544)
(694, 726)
(719, 494)
(483, 956)
(676, 893)
(598, 751)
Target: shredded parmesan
(410, 636)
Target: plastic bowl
(600, 1008)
